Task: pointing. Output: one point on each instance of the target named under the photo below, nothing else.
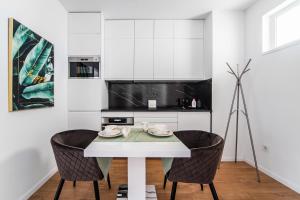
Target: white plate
(110, 134)
(160, 133)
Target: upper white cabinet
(188, 29)
(119, 59)
(143, 56)
(143, 29)
(163, 59)
(188, 50)
(154, 50)
(143, 59)
(119, 49)
(188, 59)
(84, 23)
(163, 49)
(84, 32)
(164, 29)
(117, 29)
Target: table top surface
(137, 145)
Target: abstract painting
(31, 69)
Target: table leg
(136, 179)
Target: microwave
(84, 67)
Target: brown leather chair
(206, 152)
(68, 149)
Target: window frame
(270, 27)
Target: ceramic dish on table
(110, 134)
(159, 133)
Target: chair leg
(59, 188)
(173, 193)
(201, 187)
(96, 189)
(108, 181)
(74, 183)
(213, 191)
(165, 181)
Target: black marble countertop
(172, 109)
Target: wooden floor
(233, 182)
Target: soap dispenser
(194, 103)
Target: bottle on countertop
(199, 104)
(194, 103)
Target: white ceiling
(155, 9)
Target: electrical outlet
(265, 148)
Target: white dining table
(137, 152)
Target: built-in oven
(124, 121)
(84, 67)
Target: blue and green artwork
(31, 69)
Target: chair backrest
(206, 152)
(68, 149)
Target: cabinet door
(188, 28)
(84, 31)
(143, 59)
(84, 120)
(119, 59)
(84, 94)
(194, 121)
(84, 45)
(143, 29)
(119, 29)
(188, 59)
(163, 29)
(163, 59)
(84, 23)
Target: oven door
(88, 67)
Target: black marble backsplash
(135, 95)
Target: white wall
(26, 156)
(273, 93)
(228, 46)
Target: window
(281, 26)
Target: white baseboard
(231, 159)
(38, 184)
(285, 182)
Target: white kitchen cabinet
(163, 59)
(84, 45)
(167, 118)
(194, 121)
(119, 49)
(84, 34)
(188, 59)
(119, 29)
(84, 94)
(84, 120)
(188, 28)
(119, 59)
(143, 29)
(154, 50)
(143, 59)
(164, 29)
(143, 50)
(84, 23)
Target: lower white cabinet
(84, 120)
(167, 118)
(194, 121)
(174, 120)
